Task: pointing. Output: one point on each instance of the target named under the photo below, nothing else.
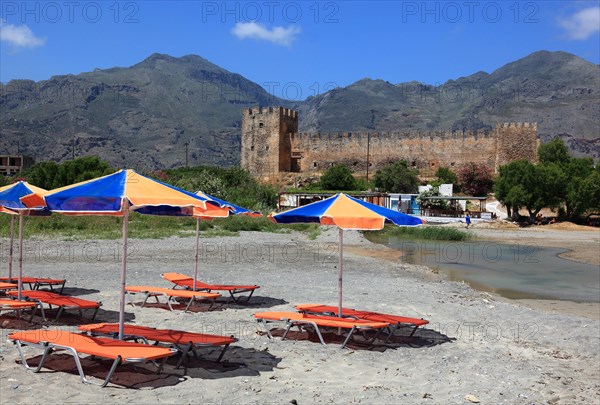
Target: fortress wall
(271, 144)
(425, 151)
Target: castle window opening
(266, 148)
(252, 148)
(452, 164)
(261, 124)
(314, 164)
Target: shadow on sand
(144, 376)
(222, 305)
(367, 341)
(76, 291)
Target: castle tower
(266, 140)
(515, 141)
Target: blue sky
(294, 48)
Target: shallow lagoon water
(514, 271)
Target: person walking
(468, 219)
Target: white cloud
(582, 24)
(19, 35)
(277, 35)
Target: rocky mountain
(558, 90)
(148, 115)
(142, 116)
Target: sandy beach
(477, 346)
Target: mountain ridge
(143, 116)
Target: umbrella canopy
(345, 212)
(235, 209)
(10, 203)
(119, 193)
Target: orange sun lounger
(35, 283)
(181, 280)
(8, 286)
(63, 302)
(170, 294)
(119, 351)
(317, 321)
(18, 306)
(396, 322)
(184, 342)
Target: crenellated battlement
(392, 135)
(282, 111)
(531, 125)
(271, 143)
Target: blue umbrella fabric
(10, 203)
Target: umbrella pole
(10, 247)
(340, 272)
(20, 283)
(196, 254)
(123, 269)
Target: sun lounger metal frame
(36, 283)
(181, 280)
(395, 322)
(18, 306)
(299, 319)
(53, 299)
(100, 351)
(164, 336)
(170, 295)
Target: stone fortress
(271, 144)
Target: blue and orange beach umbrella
(11, 204)
(120, 193)
(345, 212)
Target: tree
(554, 151)
(582, 190)
(476, 179)
(397, 178)
(426, 202)
(521, 184)
(446, 176)
(51, 175)
(338, 178)
(512, 184)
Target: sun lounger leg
(94, 314)
(62, 287)
(314, 325)
(289, 326)
(239, 300)
(33, 312)
(47, 349)
(188, 305)
(60, 311)
(169, 302)
(81, 373)
(162, 364)
(146, 299)
(222, 353)
(348, 337)
(266, 326)
(184, 353)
